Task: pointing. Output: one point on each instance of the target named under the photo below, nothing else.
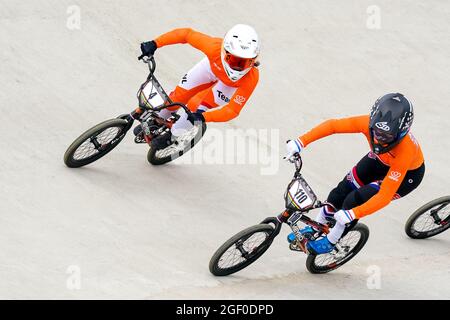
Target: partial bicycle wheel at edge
(351, 244)
(241, 250)
(95, 143)
(182, 145)
(430, 219)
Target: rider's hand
(195, 117)
(344, 216)
(148, 48)
(293, 147)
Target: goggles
(237, 63)
(383, 136)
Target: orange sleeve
(332, 126)
(232, 109)
(186, 35)
(389, 187)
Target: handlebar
(150, 61)
(298, 162)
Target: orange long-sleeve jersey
(407, 155)
(212, 48)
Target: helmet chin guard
(240, 49)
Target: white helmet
(239, 51)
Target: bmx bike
(247, 246)
(99, 140)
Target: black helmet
(390, 119)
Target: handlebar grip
(148, 60)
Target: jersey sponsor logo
(395, 175)
(383, 126)
(222, 96)
(184, 79)
(239, 100)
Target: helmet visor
(237, 63)
(383, 137)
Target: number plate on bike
(299, 195)
(150, 95)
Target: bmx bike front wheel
(430, 219)
(95, 143)
(241, 250)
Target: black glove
(195, 117)
(148, 48)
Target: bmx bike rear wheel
(350, 244)
(180, 146)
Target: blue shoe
(320, 246)
(304, 231)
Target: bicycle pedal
(139, 140)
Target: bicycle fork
(299, 244)
(435, 215)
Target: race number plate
(299, 195)
(150, 96)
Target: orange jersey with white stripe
(212, 48)
(407, 155)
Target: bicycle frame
(292, 216)
(145, 110)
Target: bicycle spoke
(242, 251)
(93, 145)
(432, 220)
(181, 143)
(348, 243)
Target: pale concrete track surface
(137, 231)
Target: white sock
(336, 233)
